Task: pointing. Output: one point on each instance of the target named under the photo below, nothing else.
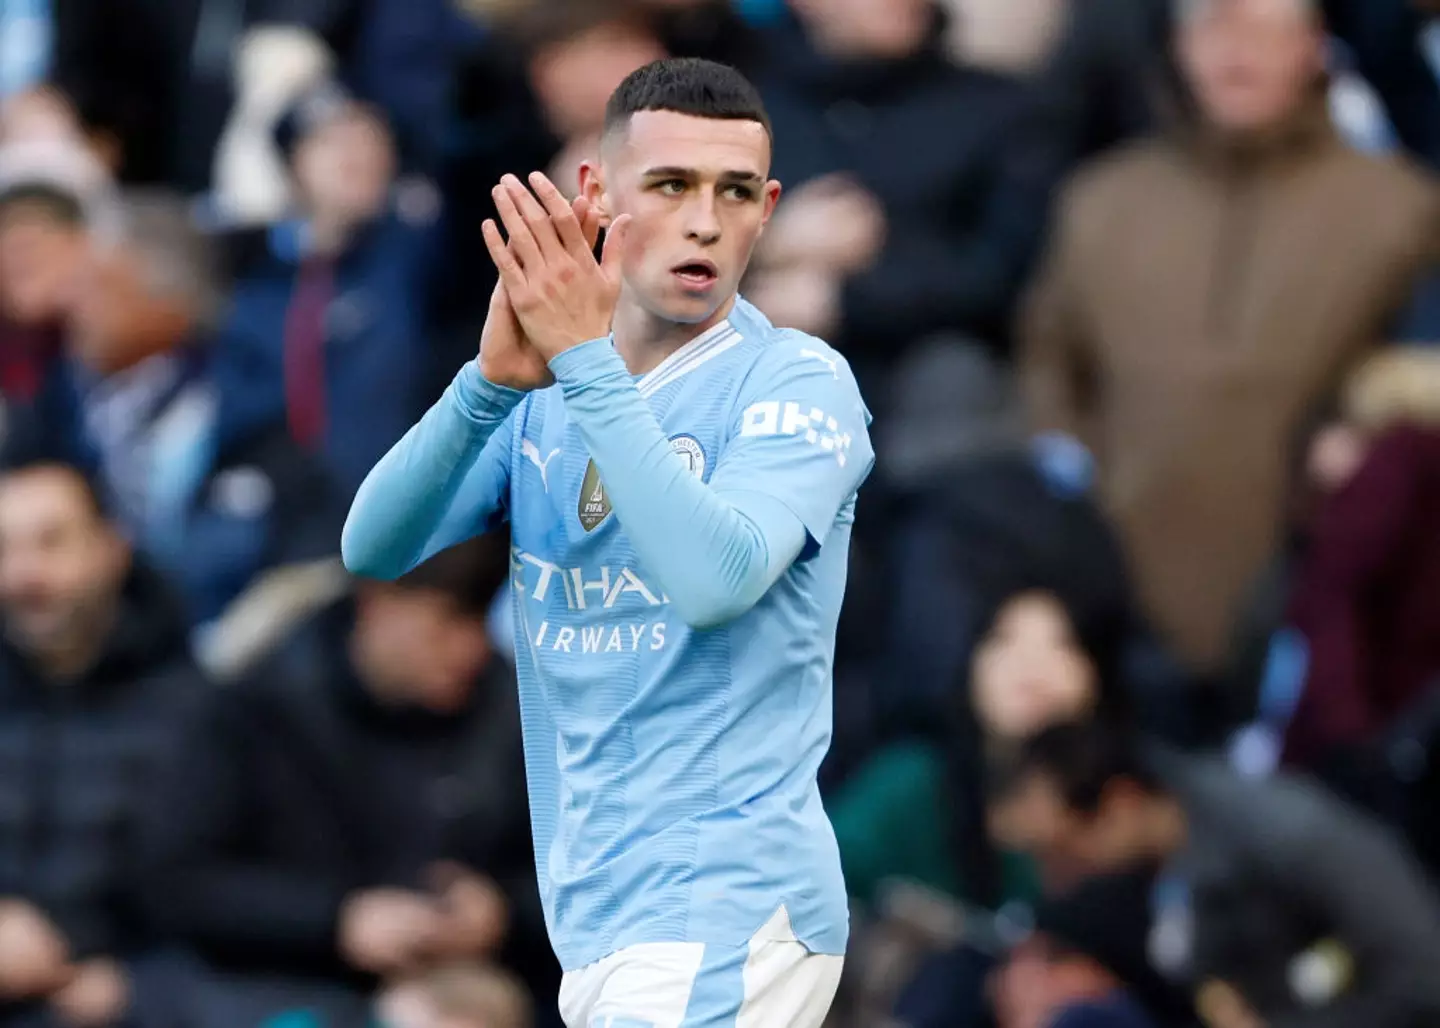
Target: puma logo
(531, 452)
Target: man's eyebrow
(690, 173)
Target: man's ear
(772, 197)
(592, 188)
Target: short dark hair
(1081, 760)
(470, 575)
(686, 85)
(29, 445)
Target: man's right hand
(507, 358)
(34, 957)
(384, 931)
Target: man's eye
(742, 193)
(671, 187)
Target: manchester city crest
(688, 447)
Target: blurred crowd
(1138, 683)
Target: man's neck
(644, 340)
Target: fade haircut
(686, 85)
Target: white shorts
(773, 982)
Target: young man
(680, 478)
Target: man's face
(119, 318)
(698, 193)
(345, 167)
(1250, 63)
(61, 564)
(1029, 670)
(418, 649)
(41, 257)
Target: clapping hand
(506, 357)
(560, 294)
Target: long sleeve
(715, 547)
(443, 483)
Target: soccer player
(679, 476)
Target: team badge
(689, 447)
(594, 504)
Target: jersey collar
(707, 345)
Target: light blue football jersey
(672, 770)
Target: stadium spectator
(1046, 653)
(355, 807)
(1365, 591)
(137, 403)
(48, 190)
(327, 325)
(872, 249)
(1203, 294)
(95, 679)
(1278, 904)
(1048, 650)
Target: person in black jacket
(915, 189)
(95, 678)
(355, 809)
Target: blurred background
(1137, 696)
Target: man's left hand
(560, 293)
(97, 996)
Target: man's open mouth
(696, 273)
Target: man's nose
(702, 224)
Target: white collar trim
(704, 347)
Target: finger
(614, 252)
(541, 224)
(562, 216)
(591, 221)
(512, 274)
(522, 240)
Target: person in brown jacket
(1204, 293)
